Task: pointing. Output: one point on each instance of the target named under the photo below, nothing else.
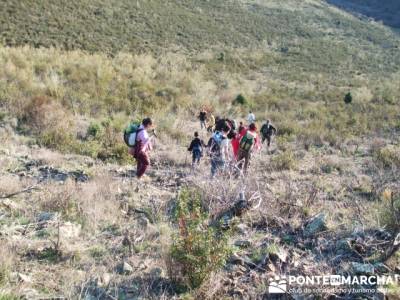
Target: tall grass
(56, 95)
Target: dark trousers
(143, 162)
(196, 156)
(268, 138)
(244, 159)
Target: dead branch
(26, 190)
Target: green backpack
(130, 134)
(247, 142)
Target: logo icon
(277, 285)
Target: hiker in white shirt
(251, 118)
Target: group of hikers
(229, 148)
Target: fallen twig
(28, 189)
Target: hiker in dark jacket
(267, 131)
(196, 147)
(203, 118)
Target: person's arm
(258, 143)
(191, 146)
(145, 140)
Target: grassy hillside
(145, 25)
(283, 56)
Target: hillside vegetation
(154, 25)
(324, 199)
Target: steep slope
(106, 26)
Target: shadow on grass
(386, 11)
(145, 287)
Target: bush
(390, 211)
(284, 161)
(94, 130)
(348, 98)
(9, 297)
(197, 249)
(6, 261)
(387, 157)
(240, 100)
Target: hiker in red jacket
(236, 140)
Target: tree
(348, 98)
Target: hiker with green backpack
(248, 143)
(139, 142)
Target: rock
(105, 279)
(242, 243)
(24, 278)
(343, 246)
(156, 272)
(12, 205)
(143, 222)
(240, 260)
(360, 268)
(397, 269)
(29, 294)
(69, 230)
(289, 239)
(46, 216)
(242, 228)
(125, 269)
(382, 268)
(315, 225)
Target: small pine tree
(240, 99)
(197, 249)
(348, 98)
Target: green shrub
(348, 98)
(284, 161)
(197, 249)
(240, 100)
(94, 130)
(389, 211)
(98, 251)
(388, 157)
(9, 296)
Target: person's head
(253, 127)
(196, 134)
(250, 112)
(240, 123)
(267, 121)
(147, 123)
